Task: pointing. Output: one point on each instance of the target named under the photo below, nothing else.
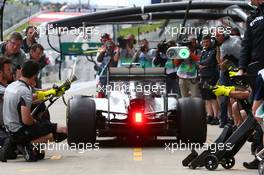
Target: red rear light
(138, 117)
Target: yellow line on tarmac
(137, 149)
(138, 158)
(137, 154)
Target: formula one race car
(136, 104)
(149, 111)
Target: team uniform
(19, 94)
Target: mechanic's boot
(27, 152)
(11, 155)
(251, 165)
(3, 154)
(59, 137)
(215, 121)
(222, 125)
(7, 147)
(209, 119)
(230, 121)
(39, 153)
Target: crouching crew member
(6, 77)
(23, 129)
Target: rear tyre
(81, 120)
(191, 120)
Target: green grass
(139, 29)
(13, 1)
(22, 27)
(19, 29)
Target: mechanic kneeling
(6, 77)
(23, 129)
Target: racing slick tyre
(81, 120)
(191, 120)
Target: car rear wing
(137, 74)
